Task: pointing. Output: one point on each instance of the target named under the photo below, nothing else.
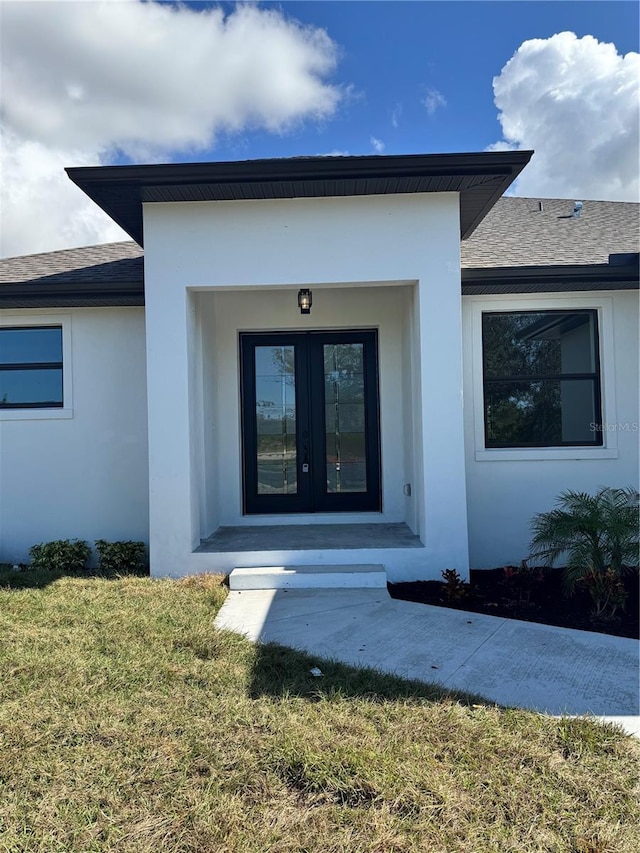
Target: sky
(98, 82)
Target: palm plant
(598, 533)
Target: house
(322, 361)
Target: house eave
(550, 279)
(71, 295)
(479, 178)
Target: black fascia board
(307, 168)
(30, 294)
(120, 190)
(548, 279)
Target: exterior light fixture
(304, 301)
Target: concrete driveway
(552, 670)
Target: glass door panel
(345, 418)
(275, 414)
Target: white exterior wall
(506, 488)
(324, 244)
(80, 472)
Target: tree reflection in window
(276, 420)
(541, 379)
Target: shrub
(123, 556)
(598, 533)
(455, 589)
(61, 555)
(607, 593)
(521, 581)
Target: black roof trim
(75, 294)
(623, 259)
(553, 279)
(541, 286)
(480, 178)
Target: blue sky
(394, 53)
(126, 81)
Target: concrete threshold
(355, 576)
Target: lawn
(127, 723)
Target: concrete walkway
(553, 670)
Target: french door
(310, 422)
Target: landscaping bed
(537, 596)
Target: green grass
(127, 723)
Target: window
(31, 367)
(541, 379)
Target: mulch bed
(541, 599)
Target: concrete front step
(368, 576)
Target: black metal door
(310, 422)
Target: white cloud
(377, 145)
(575, 102)
(396, 115)
(41, 209)
(84, 82)
(432, 100)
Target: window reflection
(541, 379)
(345, 418)
(276, 420)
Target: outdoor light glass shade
(304, 301)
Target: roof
(541, 231)
(517, 248)
(534, 245)
(109, 274)
(115, 262)
(480, 178)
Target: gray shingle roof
(516, 233)
(110, 262)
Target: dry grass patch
(127, 723)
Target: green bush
(61, 555)
(599, 535)
(120, 556)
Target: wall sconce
(304, 301)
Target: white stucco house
(323, 361)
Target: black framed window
(31, 367)
(541, 374)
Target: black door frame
(312, 495)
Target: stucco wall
(350, 243)
(83, 474)
(506, 488)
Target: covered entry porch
(384, 276)
(362, 550)
(307, 419)
(373, 505)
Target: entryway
(310, 422)
(310, 537)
